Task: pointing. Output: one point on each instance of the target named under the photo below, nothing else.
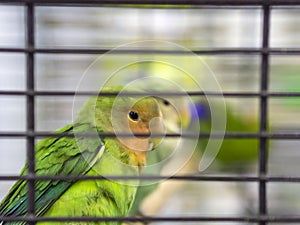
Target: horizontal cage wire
(264, 95)
(153, 2)
(224, 51)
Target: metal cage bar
(30, 110)
(263, 135)
(263, 208)
(158, 2)
(213, 51)
(243, 94)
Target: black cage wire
(264, 95)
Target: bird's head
(142, 119)
(136, 121)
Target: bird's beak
(157, 130)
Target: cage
(252, 47)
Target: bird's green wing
(54, 156)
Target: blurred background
(195, 29)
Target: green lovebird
(91, 156)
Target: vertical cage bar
(263, 143)
(30, 108)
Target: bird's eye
(133, 115)
(166, 102)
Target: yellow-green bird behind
(90, 156)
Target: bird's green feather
(55, 156)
